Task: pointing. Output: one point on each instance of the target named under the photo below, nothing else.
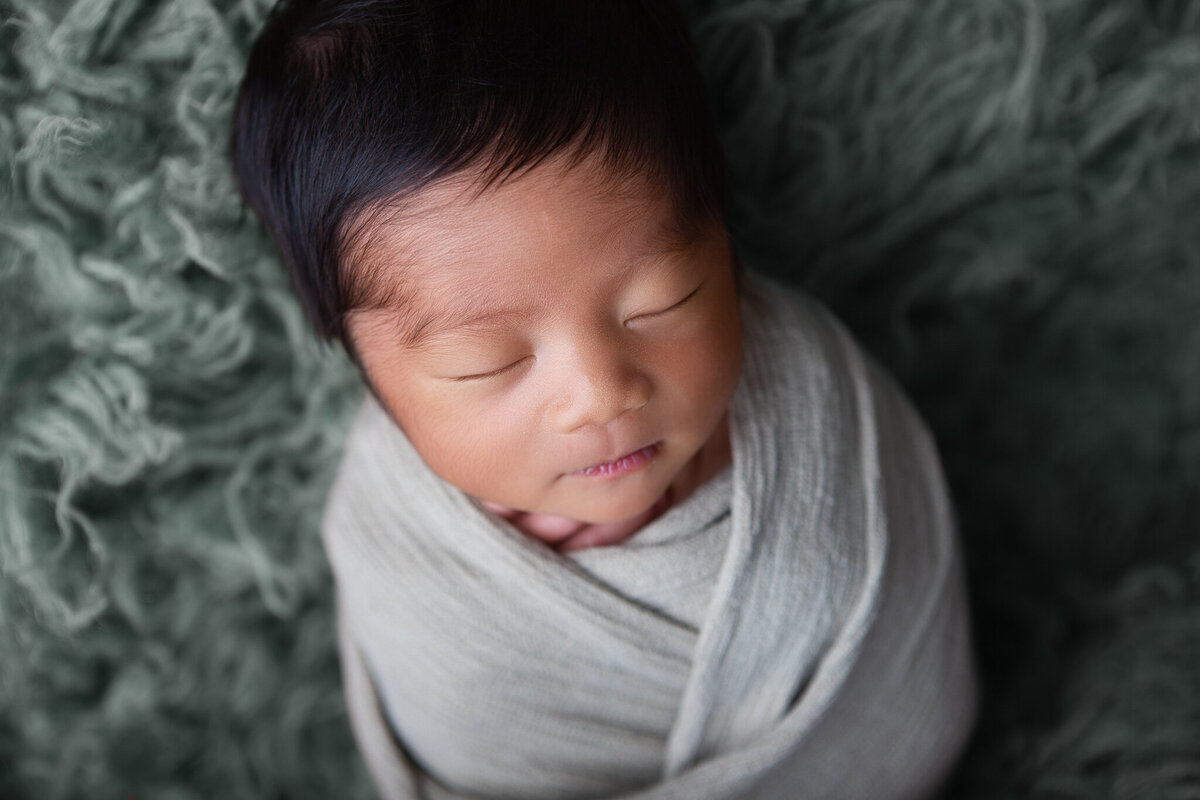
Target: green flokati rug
(1002, 197)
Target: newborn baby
(619, 518)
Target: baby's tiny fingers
(549, 526)
(499, 510)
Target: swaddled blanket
(795, 629)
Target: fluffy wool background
(1001, 196)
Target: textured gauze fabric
(797, 629)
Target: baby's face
(555, 345)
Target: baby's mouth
(630, 462)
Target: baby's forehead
(400, 246)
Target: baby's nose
(602, 380)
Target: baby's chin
(565, 533)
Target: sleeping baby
(618, 518)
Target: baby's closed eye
(669, 307)
(474, 374)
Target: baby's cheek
(707, 369)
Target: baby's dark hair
(350, 107)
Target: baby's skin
(562, 347)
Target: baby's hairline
(470, 185)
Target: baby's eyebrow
(419, 330)
(416, 328)
(410, 320)
(674, 235)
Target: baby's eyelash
(491, 374)
(672, 307)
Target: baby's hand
(565, 534)
(547, 527)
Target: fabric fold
(811, 640)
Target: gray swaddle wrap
(795, 629)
